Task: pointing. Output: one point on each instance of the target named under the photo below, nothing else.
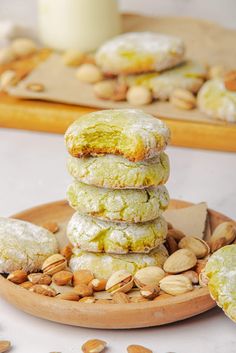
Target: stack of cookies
(119, 168)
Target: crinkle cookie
(137, 52)
(24, 245)
(104, 265)
(116, 172)
(189, 75)
(130, 206)
(130, 133)
(221, 272)
(94, 235)
(216, 101)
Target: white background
(32, 171)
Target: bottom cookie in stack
(104, 265)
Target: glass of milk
(77, 24)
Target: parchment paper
(205, 42)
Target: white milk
(77, 24)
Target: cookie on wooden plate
(24, 246)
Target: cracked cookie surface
(221, 272)
(24, 245)
(216, 101)
(116, 172)
(189, 75)
(94, 235)
(130, 133)
(131, 206)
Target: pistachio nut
(150, 292)
(120, 281)
(176, 284)
(180, 261)
(224, 234)
(54, 264)
(150, 275)
(198, 246)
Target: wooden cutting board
(206, 42)
(154, 313)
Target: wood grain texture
(99, 315)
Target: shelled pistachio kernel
(94, 346)
(72, 296)
(83, 290)
(67, 252)
(17, 277)
(134, 348)
(62, 278)
(98, 284)
(82, 277)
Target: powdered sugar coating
(116, 172)
(128, 132)
(132, 206)
(221, 272)
(24, 245)
(216, 101)
(95, 235)
(137, 52)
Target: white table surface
(33, 172)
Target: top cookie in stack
(118, 165)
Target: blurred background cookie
(139, 52)
(217, 101)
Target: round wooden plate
(116, 316)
